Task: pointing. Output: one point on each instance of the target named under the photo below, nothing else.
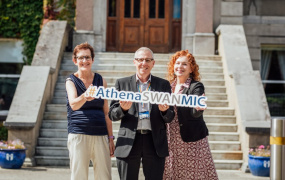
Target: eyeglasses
(81, 58)
(147, 60)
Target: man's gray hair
(144, 49)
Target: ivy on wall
(22, 19)
(61, 10)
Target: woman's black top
(90, 118)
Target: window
(176, 9)
(273, 77)
(11, 63)
(112, 8)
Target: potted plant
(12, 154)
(259, 161)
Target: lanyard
(140, 90)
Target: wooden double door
(135, 23)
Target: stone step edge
(218, 101)
(108, 77)
(205, 116)
(213, 94)
(65, 148)
(211, 108)
(123, 71)
(212, 142)
(211, 132)
(131, 65)
(117, 122)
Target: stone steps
(214, 145)
(129, 61)
(208, 118)
(213, 127)
(122, 73)
(63, 152)
(213, 136)
(157, 56)
(206, 82)
(218, 103)
(220, 119)
(208, 89)
(61, 108)
(130, 67)
(211, 96)
(64, 161)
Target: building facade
(170, 25)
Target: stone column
(232, 12)
(84, 15)
(84, 23)
(188, 24)
(100, 24)
(91, 22)
(199, 38)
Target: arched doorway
(152, 23)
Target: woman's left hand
(112, 147)
(163, 107)
(201, 108)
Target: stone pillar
(84, 15)
(100, 24)
(188, 24)
(232, 12)
(91, 22)
(197, 27)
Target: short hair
(144, 49)
(83, 46)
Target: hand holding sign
(164, 99)
(163, 107)
(198, 108)
(89, 94)
(126, 105)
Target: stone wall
(244, 87)
(91, 19)
(35, 87)
(262, 30)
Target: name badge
(144, 115)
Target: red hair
(195, 75)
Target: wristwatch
(112, 137)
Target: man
(142, 134)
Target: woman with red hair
(189, 152)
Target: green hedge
(22, 19)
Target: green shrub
(3, 132)
(22, 19)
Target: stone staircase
(220, 119)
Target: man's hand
(126, 105)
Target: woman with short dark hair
(90, 135)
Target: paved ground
(61, 173)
